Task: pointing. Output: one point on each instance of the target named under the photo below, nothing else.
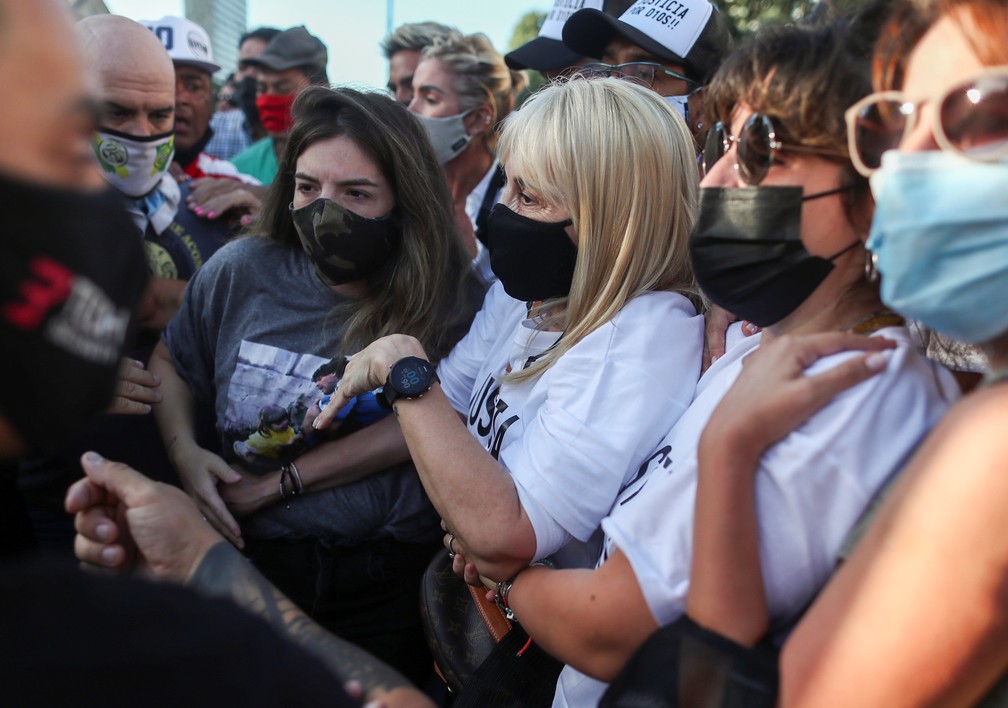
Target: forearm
(330, 464)
(225, 572)
(176, 413)
(592, 620)
(353, 457)
(726, 592)
(474, 494)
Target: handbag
(683, 665)
(484, 658)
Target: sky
(352, 28)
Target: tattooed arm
(224, 571)
(125, 520)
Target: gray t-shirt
(255, 324)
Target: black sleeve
(72, 638)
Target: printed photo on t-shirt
(273, 398)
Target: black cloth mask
(246, 95)
(343, 246)
(72, 270)
(534, 260)
(747, 252)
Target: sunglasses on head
(971, 118)
(756, 148)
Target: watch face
(411, 377)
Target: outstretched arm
(474, 494)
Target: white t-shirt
(575, 435)
(811, 487)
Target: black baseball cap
(294, 47)
(547, 51)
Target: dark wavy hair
(803, 78)
(421, 290)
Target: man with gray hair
(402, 47)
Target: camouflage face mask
(343, 246)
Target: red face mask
(275, 112)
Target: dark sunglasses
(970, 118)
(756, 148)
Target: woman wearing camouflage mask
(355, 240)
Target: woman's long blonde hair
(622, 162)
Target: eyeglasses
(970, 118)
(757, 146)
(641, 71)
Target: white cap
(552, 27)
(186, 42)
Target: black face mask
(72, 269)
(245, 93)
(534, 260)
(747, 253)
(343, 246)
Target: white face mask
(132, 164)
(448, 135)
(680, 104)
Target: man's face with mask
(135, 83)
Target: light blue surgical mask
(940, 241)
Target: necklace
(878, 320)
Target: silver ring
(451, 540)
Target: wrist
(179, 450)
(728, 447)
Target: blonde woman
(584, 353)
(462, 90)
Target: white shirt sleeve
(609, 401)
(810, 488)
(459, 370)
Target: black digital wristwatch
(410, 377)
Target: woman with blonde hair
(462, 92)
(584, 353)
(779, 240)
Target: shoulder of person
(245, 252)
(907, 369)
(652, 321)
(665, 304)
